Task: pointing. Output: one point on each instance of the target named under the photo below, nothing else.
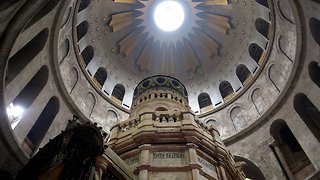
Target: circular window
(175, 84)
(168, 15)
(146, 84)
(161, 81)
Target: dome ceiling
(155, 51)
(219, 46)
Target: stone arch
(66, 17)
(26, 54)
(42, 124)
(112, 117)
(89, 103)
(285, 11)
(259, 100)
(281, 44)
(276, 77)
(74, 78)
(314, 72)
(289, 151)
(212, 122)
(204, 100)
(308, 112)
(64, 50)
(250, 169)
(238, 118)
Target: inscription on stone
(205, 163)
(164, 155)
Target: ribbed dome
(219, 49)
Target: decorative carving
(129, 124)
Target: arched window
(26, 54)
(308, 113)
(87, 54)
(263, 3)
(262, 27)
(101, 76)
(255, 52)
(89, 103)
(48, 7)
(84, 4)
(225, 89)
(26, 96)
(82, 29)
(30, 92)
(42, 124)
(315, 29)
(289, 151)
(110, 119)
(242, 72)
(314, 72)
(204, 100)
(212, 122)
(118, 92)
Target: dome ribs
(188, 56)
(216, 22)
(130, 42)
(145, 55)
(123, 19)
(208, 45)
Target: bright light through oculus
(169, 15)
